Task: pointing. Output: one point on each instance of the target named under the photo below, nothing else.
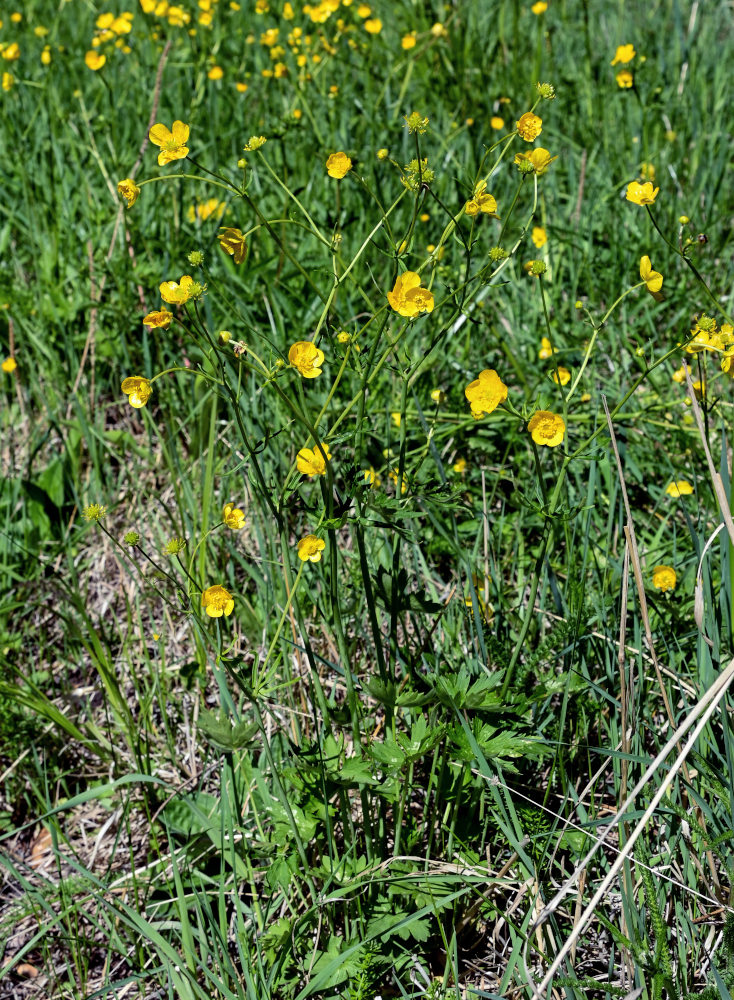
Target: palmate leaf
(496, 744)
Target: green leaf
(223, 733)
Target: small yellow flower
(177, 292)
(159, 319)
(137, 389)
(233, 242)
(460, 466)
(539, 236)
(408, 298)
(438, 396)
(653, 279)
(535, 161)
(396, 417)
(93, 60)
(7, 81)
(485, 393)
(255, 142)
(233, 517)
(409, 41)
(217, 601)
(9, 365)
(641, 194)
(94, 512)
(382, 154)
(373, 25)
(624, 79)
(547, 428)
(372, 478)
(481, 202)
(306, 358)
(647, 173)
(496, 123)
(215, 73)
(312, 462)
(664, 578)
(679, 488)
(129, 190)
(529, 126)
(624, 54)
(338, 165)
(172, 143)
(206, 209)
(310, 548)
(561, 376)
(539, 7)
(546, 351)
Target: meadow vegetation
(365, 535)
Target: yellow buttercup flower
(624, 79)
(306, 358)
(312, 462)
(408, 41)
(233, 517)
(496, 123)
(546, 351)
(485, 393)
(205, 209)
(539, 236)
(664, 578)
(177, 292)
(310, 548)
(159, 319)
(129, 190)
(679, 488)
(217, 601)
(255, 142)
(94, 60)
(539, 7)
(408, 298)
(373, 25)
(9, 365)
(529, 126)
(233, 242)
(624, 54)
(653, 279)
(561, 375)
(172, 143)
(536, 161)
(338, 165)
(137, 389)
(481, 202)
(641, 194)
(547, 428)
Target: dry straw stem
(705, 709)
(715, 476)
